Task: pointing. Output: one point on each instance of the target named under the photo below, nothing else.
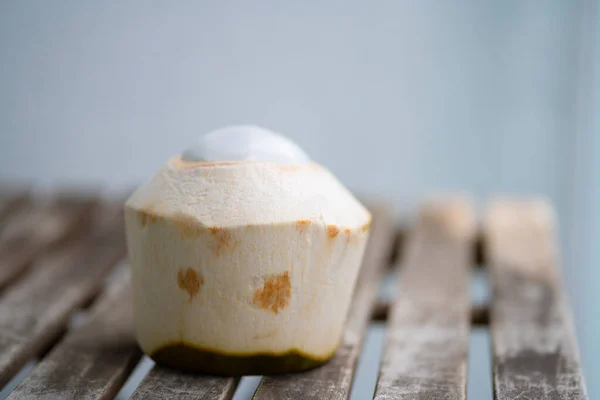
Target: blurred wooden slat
(334, 379)
(479, 313)
(11, 200)
(95, 359)
(425, 353)
(35, 310)
(535, 350)
(165, 383)
(37, 227)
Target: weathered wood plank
(165, 383)
(37, 227)
(94, 360)
(535, 350)
(425, 353)
(334, 379)
(34, 311)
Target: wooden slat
(95, 359)
(35, 228)
(535, 350)
(425, 354)
(165, 383)
(35, 310)
(334, 379)
(11, 200)
(479, 313)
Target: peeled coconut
(244, 256)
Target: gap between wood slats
(535, 351)
(396, 253)
(137, 375)
(367, 369)
(35, 310)
(17, 379)
(37, 227)
(334, 379)
(425, 354)
(247, 387)
(94, 360)
(479, 365)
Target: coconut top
(245, 143)
(245, 175)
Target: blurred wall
(583, 236)
(395, 97)
(400, 99)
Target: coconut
(244, 255)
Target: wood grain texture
(94, 360)
(165, 383)
(334, 379)
(425, 353)
(35, 310)
(35, 228)
(535, 351)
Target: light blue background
(402, 99)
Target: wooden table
(63, 256)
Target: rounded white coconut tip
(245, 143)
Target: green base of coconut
(190, 358)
